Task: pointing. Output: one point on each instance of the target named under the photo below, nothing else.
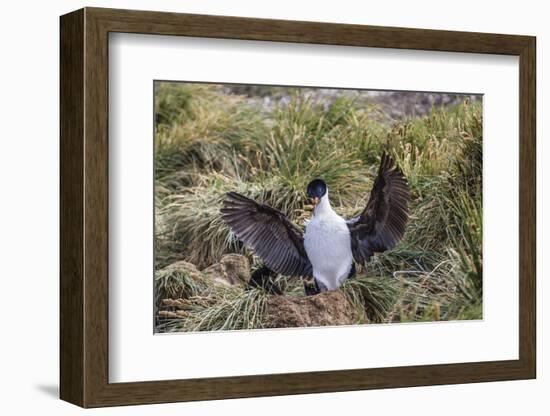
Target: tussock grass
(209, 142)
(177, 284)
(374, 298)
(220, 308)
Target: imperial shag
(330, 245)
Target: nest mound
(325, 309)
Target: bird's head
(316, 189)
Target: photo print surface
(282, 207)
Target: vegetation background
(268, 143)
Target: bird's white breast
(328, 246)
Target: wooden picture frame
(84, 207)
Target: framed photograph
(256, 207)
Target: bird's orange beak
(314, 201)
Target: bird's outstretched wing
(381, 225)
(269, 233)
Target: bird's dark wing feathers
(269, 233)
(381, 225)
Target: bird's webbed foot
(312, 287)
(352, 272)
(264, 278)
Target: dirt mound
(324, 309)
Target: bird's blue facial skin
(316, 189)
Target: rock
(232, 270)
(216, 274)
(236, 267)
(324, 309)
